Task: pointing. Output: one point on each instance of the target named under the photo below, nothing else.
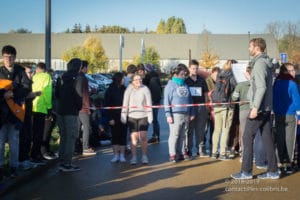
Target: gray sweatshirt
(261, 89)
(134, 103)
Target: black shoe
(49, 156)
(68, 168)
(153, 140)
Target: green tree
(92, 51)
(113, 29)
(178, 26)
(160, 29)
(87, 29)
(169, 24)
(151, 57)
(77, 28)
(20, 30)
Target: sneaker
(232, 154)
(173, 159)
(68, 168)
(242, 176)
(203, 154)
(13, 172)
(115, 159)
(89, 152)
(153, 140)
(122, 158)
(26, 165)
(224, 158)
(133, 161)
(289, 170)
(269, 175)
(145, 159)
(214, 155)
(261, 167)
(49, 156)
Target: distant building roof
(168, 46)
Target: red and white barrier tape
(171, 106)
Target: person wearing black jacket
(69, 102)
(114, 97)
(10, 124)
(153, 83)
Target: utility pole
(121, 47)
(48, 35)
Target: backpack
(223, 90)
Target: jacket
(260, 91)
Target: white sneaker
(133, 161)
(145, 159)
(122, 158)
(115, 159)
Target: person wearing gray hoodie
(260, 94)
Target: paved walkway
(202, 178)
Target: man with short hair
(260, 96)
(10, 123)
(84, 114)
(198, 89)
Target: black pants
(262, 122)
(25, 137)
(38, 124)
(50, 121)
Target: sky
(216, 16)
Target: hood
(74, 65)
(225, 73)
(69, 75)
(265, 57)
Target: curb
(24, 176)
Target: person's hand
(253, 113)
(111, 122)
(170, 120)
(192, 117)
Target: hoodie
(260, 91)
(69, 90)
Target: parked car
(94, 86)
(101, 79)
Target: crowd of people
(228, 119)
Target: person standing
(224, 88)
(85, 113)
(154, 86)
(286, 103)
(176, 93)
(260, 94)
(198, 89)
(11, 119)
(114, 97)
(41, 105)
(137, 115)
(68, 93)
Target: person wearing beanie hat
(68, 92)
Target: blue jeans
(8, 132)
(68, 128)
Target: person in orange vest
(11, 116)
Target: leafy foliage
(173, 25)
(92, 51)
(151, 57)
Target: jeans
(8, 132)
(84, 120)
(68, 126)
(261, 122)
(156, 126)
(259, 150)
(197, 127)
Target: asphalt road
(202, 178)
